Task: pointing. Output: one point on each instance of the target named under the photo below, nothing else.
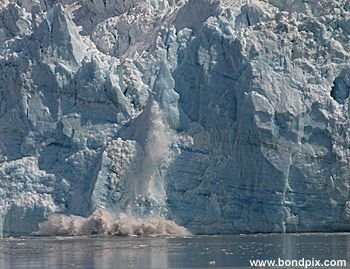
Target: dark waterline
(166, 252)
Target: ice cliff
(224, 116)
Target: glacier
(221, 116)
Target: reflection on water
(162, 252)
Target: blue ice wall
(226, 117)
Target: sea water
(170, 252)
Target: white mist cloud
(103, 222)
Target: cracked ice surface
(225, 116)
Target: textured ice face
(223, 116)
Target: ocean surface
(167, 252)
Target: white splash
(104, 223)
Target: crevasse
(140, 117)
